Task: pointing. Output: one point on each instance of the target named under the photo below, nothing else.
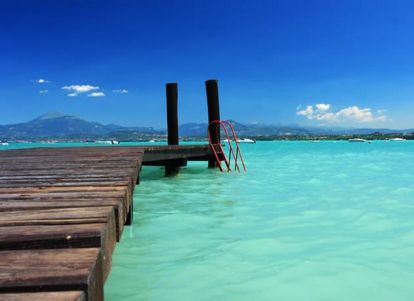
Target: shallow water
(308, 221)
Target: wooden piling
(213, 114)
(172, 113)
(172, 168)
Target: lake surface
(308, 221)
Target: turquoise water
(309, 221)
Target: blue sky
(333, 63)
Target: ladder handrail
(238, 151)
(226, 124)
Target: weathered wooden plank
(67, 183)
(62, 189)
(117, 204)
(52, 270)
(102, 235)
(58, 216)
(74, 174)
(91, 170)
(63, 165)
(68, 200)
(75, 159)
(40, 195)
(62, 216)
(72, 157)
(45, 296)
(127, 190)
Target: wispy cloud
(123, 91)
(96, 94)
(45, 91)
(348, 115)
(78, 89)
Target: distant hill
(63, 126)
(60, 125)
(200, 129)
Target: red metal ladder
(217, 148)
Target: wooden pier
(62, 210)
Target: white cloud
(40, 81)
(75, 90)
(96, 94)
(45, 91)
(80, 88)
(323, 106)
(349, 115)
(306, 112)
(123, 91)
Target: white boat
(107, 142)
(4, 143)
(244, 140)
(357, 140)
(152, 141)
(397, 139)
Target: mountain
(62, 126)
(59, 125)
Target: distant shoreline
(149, 139)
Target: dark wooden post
(172, 124)
(172, 115)
(213, 113)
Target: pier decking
(62, 210)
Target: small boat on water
(244, 140)
(397, 139)
(357, 140)
(4, 143)
(107, 142)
